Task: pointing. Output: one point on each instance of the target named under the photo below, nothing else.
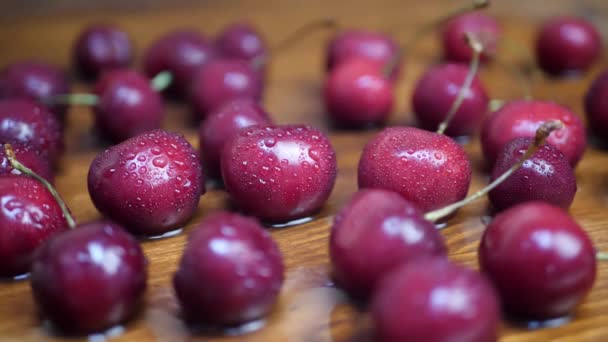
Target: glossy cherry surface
(222, 125)
(521, 118)
(102, 47)
(150, 184)
(539, 259)
(376, 231)
(90, 278)
(434, 300)
(567, 44)
(596, 106)
(428, 169)
(127, 105)
(29, 216)
(481, 26)
(357, 94)
(279, 173)
(241, 41)
(546, 176)
(437, 90)
(34, 159)
(231, 272)
(223, 80)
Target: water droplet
(160, 161)
(270, 142)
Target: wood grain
(310, 308)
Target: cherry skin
(180, 52)
(567, 44)
(100, 48)
(356, 94)
(221, 126)
(33, 80)
(376, 47)
(231, 272)
(90, 278)
(546, 176)
(596, 106)
(34, 159)
(279, 173)
(434, 300)
(521, 118)
(221, 81)
(29, 216)
(27, 123)
(241, 41)
(483, 27)
(127, 105)
(428, 169)
(373, 233)
(548, 254)
(150, 184)
(437, 90)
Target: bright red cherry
(428, 169)
(434, 300)
(34, 159)
(279, 173)
(102, 47)
(374, 232)
(567, 44)
(483, 27)
(539, 259)
(521, 118)
(231, 272)
(241, 41)
(596, 106)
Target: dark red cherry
(596, 106)
(33, 80)
(27, 123)
(483, 27)
(223, 80)
(127, 105)
(221, 126)
(521, 118)
(539, 259)
(150, 184)
(567, 44)
(241, 41)
(102, 47)
(546, 176)
(34, 159)
(357, 94)
(428, 169)
(231, 272)
(90, 278)
(437, 90)
(434, 300)
(279, 173)
(376, 47)
(373, 233)
(180, 52)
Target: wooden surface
(310, 308)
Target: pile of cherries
(536, 263)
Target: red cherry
(437, 90)
(483, 27)
(279, 173)
(428, 169)
(596, 106)
(521, 118)
(30, 157)
(150, 184)
(102, 47)
(539, 259)
(567, 44)
(435, 300)
(231, 272)
(373, 233)
(241, 41)
(90, 278)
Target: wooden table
(310, 308)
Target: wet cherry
(483, 27)
(28, 156)
(101, 47)
(241, 41)
(596, 106)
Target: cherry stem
(74, 99)
(394, 62)
(542, 133)
(161, 81)
(601, 256)
(477, 48)
(326, 23)
(10, 155)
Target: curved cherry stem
(542, 133)
(83, 99)
(10, 154)
(325, 23)
(477, 48)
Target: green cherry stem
(601, 256)
(161, 81)
(73, 99)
